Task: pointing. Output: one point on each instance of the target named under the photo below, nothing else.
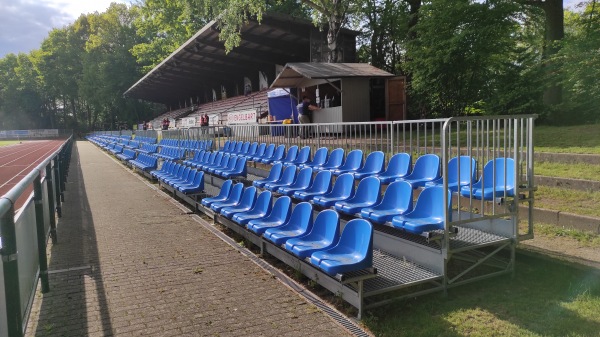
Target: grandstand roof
(295, 75)
(201, 62)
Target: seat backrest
(199, 180)
(231, 164)
(238, 147)
(357, 237)
(501, 167)
(430, 203)
(185, 173)
(303, 178)
(353, 160)
(224, 161)
(301, 216)
(344, 186)
(303, 155)
(335, 158)
(326, 227)
(260, 150)
(248, 197)
(374, 162)
(245, 148)
(320, 156)
(236, 192)
(427, 166)
(398, 195)
(269, 151)
(279, 152)
(368, 190)
(215, 158)
(275, 173)
(289, 173)
(263, 202)
(468, 169)
(292, 153)
(240, 165)
(282, 209)
(252, 150)
(322, 181)
(225, 189)
(226, 145)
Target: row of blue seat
(181, 177)
(145, 162)
(192, 145)
(224, 165)
(127, 155)
(329, 249)
(148, 148)
(171, 153)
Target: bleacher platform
(355, 225)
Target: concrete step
(570, 183)
(567, 158)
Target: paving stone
(141, 256)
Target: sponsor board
(241, 117)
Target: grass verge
(574, 171)
(8, 142)
(566, 200)
(568, 139)
(544, 298)
(584, 238)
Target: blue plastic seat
(182, 178)
(166, 167)
(244, 150)
(269, 150)
(426, 169)
(301, 183)
(367, 194)
(246, 202)
(353, 252)
(260, 150)
(239, 170)
(277, 155)
(353, 162)
(261, 208)
(252, 150)
(428, 213)
(333, 162)
(172, 173)
(343, 189)
(468, 171)
(302, 157)
(213, 160)
(290, 156)
(222, 196)
(373, 165)
(287, 178)
(220, 165)
(299, 224)
(237, 148)
(320, 158)
(232, 199)
(196, 158)
(320, 185)
(187, 181)
(225, 146)
(196, 186)
(325, 234)
(490, 186)
(280, 213)
(399, 166)
(397, 200)
(230, 166)
(274, 175)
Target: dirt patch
(564, 248)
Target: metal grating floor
(468, 237)
(406, 236)
(396, 272)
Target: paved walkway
(130, 263)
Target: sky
(25, 23)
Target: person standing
(144, 125)
(305, 116)
(204, 122)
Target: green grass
(568, 139)
(8, 142)
(572, 201)
(551, 231)
(544, 298)
(562, 170)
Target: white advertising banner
(188, 122)
(242, 117)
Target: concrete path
(130, 263)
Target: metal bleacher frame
(479, 239)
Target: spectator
(144, 125)
(204, 122)
(305, 115)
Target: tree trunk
(555, 31)
(336, 19)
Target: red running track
(17, 161)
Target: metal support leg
(57, 185)
(41, 233)
(10, 265)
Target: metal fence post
(10, 263)
(50, 184)
(57, 184)
(38, 198)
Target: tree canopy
(460, 57)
